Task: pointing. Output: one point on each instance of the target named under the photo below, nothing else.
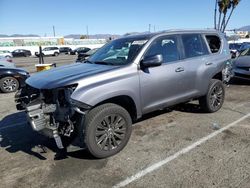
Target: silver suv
(93, 104)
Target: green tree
(83, 37)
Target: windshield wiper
(87, 61)
(103, 63)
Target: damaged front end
(54, 114)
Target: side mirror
(152, 61)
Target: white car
(49, 51)
(5, 53)
(6, 62)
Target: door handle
(179, 69)
(209, 63)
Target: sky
(110, 16)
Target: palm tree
(215, 14)
(226, 4)
(234, 4)
(223, 7)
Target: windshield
(245, 52)
(118, 52)
(244, 46)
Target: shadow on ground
(238, 81)
(16, 135)
(185, 107)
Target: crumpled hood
(243, 61)
(65, 75)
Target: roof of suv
(150, 35)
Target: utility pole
(149, 28)
(154, 28)
(87, 31)
(54, 31)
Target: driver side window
(166, 46)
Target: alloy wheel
(9, 85)
(110, 132)
(216, 97)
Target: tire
(103, 138)
(214, 98)
(9, 84)
(56, 54)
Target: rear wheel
(56, 54)
(108, 129)
(9, 84)
(214, 98)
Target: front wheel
(214, 98)
(107, 130)
(9, 84)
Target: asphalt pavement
(176, 147)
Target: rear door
(169, 83)
(197, 63)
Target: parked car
(241, 65)
(234, 49)
(65, 50)
(5, 53)
(244, 46)
(83, 56)
(49, 51)
(6, 62)
(21, 53)
(79, 50)
(11, 79)
(93, 104)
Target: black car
(83, 56)
(11, 79)
(65, 50)
(21, 53)
(79, 50)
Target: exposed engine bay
(50, 112)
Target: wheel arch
(124, 101)
(218, 76)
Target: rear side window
(214, 43)
(194, 45)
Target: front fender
(97, 92)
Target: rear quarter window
(214, 43)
